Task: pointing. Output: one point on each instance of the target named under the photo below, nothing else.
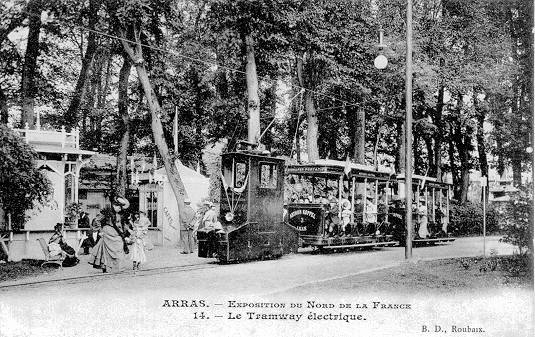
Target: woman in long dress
(58, 246)
(109, 250)
(139, 232)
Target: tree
(123, 103)
(28, 87)
(252, 33)
(71, 116)
(11, 19)
(22, 184)
(130, 17)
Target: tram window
(240, 174)
(268, 175)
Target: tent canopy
(196, 184)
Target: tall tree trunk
(15, 21)
(4, 115)
(298, 140)
(359, 151)
(136, 55)
(480, 138)
(312, 127)
(439, 134)
(267, 138)
(312, 118)
(301, 83)
(453, 167)
(465, 182)
(514, 122)
(430, 156)
(199, 115)
(415, 155)
(72, 115)
(92, 104)
(517, 149)
(29, 69)
(123, 103)
(516, 164)
(462, 141)
(253, 101)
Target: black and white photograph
(311, 168)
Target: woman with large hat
(110, 249)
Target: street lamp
(380, 61)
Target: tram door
(267, 190)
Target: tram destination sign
(334, 170)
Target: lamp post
(380, 61)
(408, 135)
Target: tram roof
(329, 167)
(255, 154)
(430, 181)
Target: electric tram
(251, 211)
(430, 210)
(268, 209)
(336, 204)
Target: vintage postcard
(266, 168)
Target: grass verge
(11, 271)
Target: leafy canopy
(22, 184)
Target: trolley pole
(408, 135)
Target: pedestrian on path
(187, 219)
(139, 233)
(110, 249)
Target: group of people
(119, 234)
(112, 235)
(191, 221)
(338, 215)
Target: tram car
(251, 211)
(430, 210)
(338, 205)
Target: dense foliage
(314, 61)
(22, 184)
(467, 219)
(517, 220)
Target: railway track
(110, 276)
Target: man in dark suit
(83, 222)
(92, 235)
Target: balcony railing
(61, 138)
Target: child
(139, 232)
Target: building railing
(51, 137)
